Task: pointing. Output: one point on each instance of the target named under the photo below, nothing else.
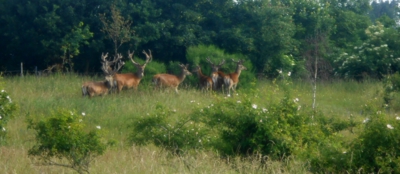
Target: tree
(375, 57)
(117, 29)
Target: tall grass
(38, 96)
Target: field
(39, 96)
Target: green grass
(38, 96)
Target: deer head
(239, 66)
(140, 68)
(215, 68)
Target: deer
(205, 82)
(132, 80)
(231, 80)
(217, 75)
(92, 89)
(171, 81)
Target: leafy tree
(62, 136)
(117, 29)
(45, 31)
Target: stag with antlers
(231, 80)
(205, 82)
(132, 80)
(217, 75)
(102, 87)
(169, 80)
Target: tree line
(359, 39)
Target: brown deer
(102, 87)
(132, 80)
(169, 80)
(231, 80)
(205, 82)
(217, 75)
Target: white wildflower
(229, 95)
(98, 127)
(254, 106)
(201, 110)
(344, 152)
(69, 127)
(212, 105)
(83, 113)
(366, 120)
(3, 90)
(389, 126)
(192, 101)
(71, 112)
(296, 100)
(238, 101)
(174, 110)
(237, 94)
(9, 99)
(80, 120)
(289, 73)
(4, 129)
(0, 117)
(397, 118)
(264, 110)
(260, 121)
(199, 141)
(280, 71)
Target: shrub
(240, 127)
(161, 129)
(377, 149)
(63, 136)
(7, 107)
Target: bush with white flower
(377, 149)
(7, 108)
(374, 57)
(62, 140)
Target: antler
(239, 61)
(130, 55)
(106, 65)
(222, 62)
(120, 64)
(209, 61)
(149, 57)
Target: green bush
(62, 136)
(7, 107)
(241, 127)
(377, 149)
(161, 129)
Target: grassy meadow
(38, 96)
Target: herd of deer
(115, 81)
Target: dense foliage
(7, 109)
(63, 136)
(272, 34)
